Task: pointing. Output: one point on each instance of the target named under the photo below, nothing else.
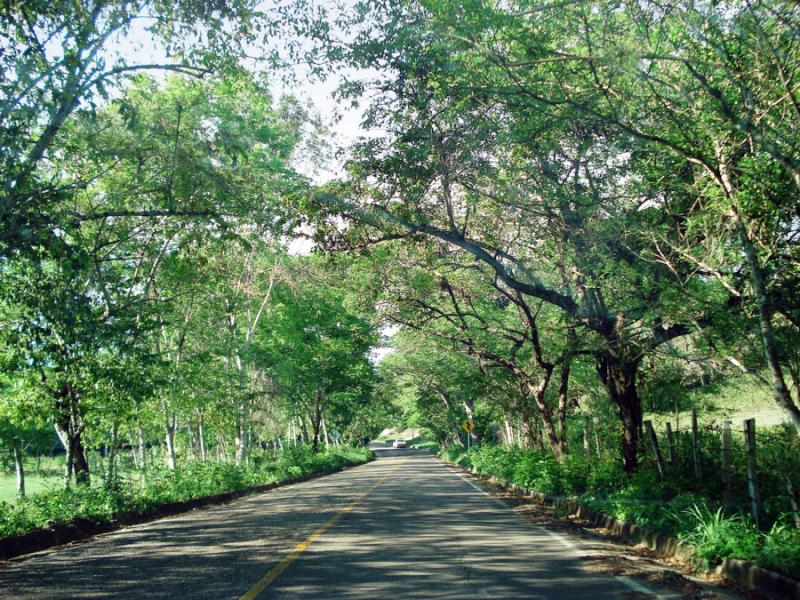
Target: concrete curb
(765, 582)
(769, 583)
(81, 529)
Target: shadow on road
(423, 533)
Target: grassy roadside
(162, 487)
(692, 514)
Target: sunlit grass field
(49, 476)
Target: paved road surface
(403, 526)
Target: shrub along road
(402, 526)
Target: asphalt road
(404, 526)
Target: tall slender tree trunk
(316, 419)
(170, 427)
(64, 439)
(19, 467)
(241, 439)
(509, 433)
(191, 444)
(142, 445)
(563, 406)
(758, 280)
(780, 390)
(112, 455)
(134, 448)
(67, 462)
(325, 435)
(201, 434)
(303, 430)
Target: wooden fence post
(752, 470)
(726, 465)
(587, 447)
(673, 455)
(651, 436)
(596, 423)
(698, 471)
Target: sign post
(468, 426)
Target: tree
(60, 56)
(74, 315)
(318, 351)
(539, 194)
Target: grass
(674, 505)
(50, 476)
(34, 484)
(733, 398)
(423, 443)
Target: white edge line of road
(631, 583)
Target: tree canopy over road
(560, 210)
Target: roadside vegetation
(158, 486)
(693, 512)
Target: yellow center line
(265, 581)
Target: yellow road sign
(468, 426)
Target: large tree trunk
(546, 416)
(170, 427)
(780, 391)
(619, 378)
(69, 426)
(79, 463)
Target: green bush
(717, 536)
(162, 486)
(537, 471)
(495, 460)
(669, 504)
(457, 455)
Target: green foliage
(57, 507)
(162, 486)
(458, 455)
(495, 460)
(41, 90)
(643, 498)
(717, 536)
